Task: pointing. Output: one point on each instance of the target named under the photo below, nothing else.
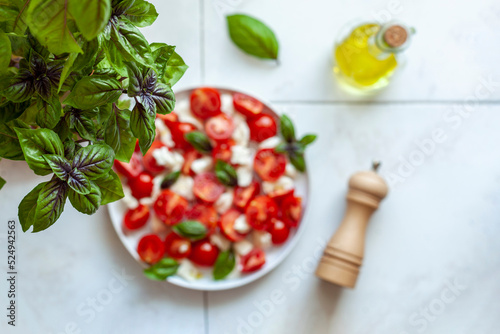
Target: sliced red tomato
(279, 195)
(226, 225)
(136, 218)
(291, 210)
(243, 195)
(219, 127)
(142, 185)
(189, 157)
(168, 119)
(247, 105)
(269, 165)
(262, 127)
(130, 169)
(222, 151)
(150, 248)
(279, 231)
(176, 246)
(170, 207)
(149, 160)
(205, 102)
(204, 253)
(253, 261)
(207, 188)
(178, 130)
(205, 214)
(260, 212)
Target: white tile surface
(438, 226)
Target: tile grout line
(205, 310)
(202, 41)
(388, 102)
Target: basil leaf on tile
(252, 36)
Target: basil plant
(69, 72)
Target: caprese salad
(216, 188)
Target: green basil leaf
(199, 140)
(90, 15)
(281, 148)
(141, 13)
(49, 112)
(142, 124)
(163, 98)
(48, 21)
(10, 148)
(94, 91)
(14, 16)
(176, 67)
(161, 270)
(68, 66)
(94, 160)
(87, 204)
(111, 188)
(50, 205)
(27, 207)
(298, 161)
(170, 179)
(161, 55)
(287, 128)
(308, 139)
(135, 78)
(224, 264)
(37, 142)
(191, 229)
(59, 165)
(69, 149)
(117, 134)
(21, 87)
(11, 110)
(252, 36)
(130, 43)
(5, 52)
(226, 174)
(85, 61)
(79, 182)
(81, 121)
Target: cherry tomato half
(222, 151)
(170, 207)
(226, 225)
(243, 195)
(151, 248)
(291, 210)
(136, 218)
(253, 261)
(205, 214)
(207, 188)
(279, 231)
(189, 157)
(260, 212)
(130, 169)
(142, 185)
(149, 160)
(247, 105)
(262, 127)
(280, 194)
(219, 127)
(269, 165)
(204, 253)
(205, 102)
(176, 246)
(168, 119)
(178, 130)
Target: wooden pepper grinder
(344, 253)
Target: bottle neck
(393, 38)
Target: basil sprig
(291, 146)
(191, 229)
(161, 270)
(224, 264)
(226, 174)
(199, 141)
(252, 36)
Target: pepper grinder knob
(343, 256)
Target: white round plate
(274, 255)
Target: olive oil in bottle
(368, 55)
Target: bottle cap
(395, 36)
